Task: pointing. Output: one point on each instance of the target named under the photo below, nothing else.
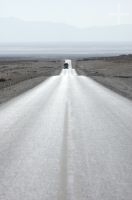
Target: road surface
(69, 138)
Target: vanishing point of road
(69, 138)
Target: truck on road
(66, 65)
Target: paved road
(67, 139)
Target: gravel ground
(18, 75)
(113, 72)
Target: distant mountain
(15, 30)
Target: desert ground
(18, 75)
(113, 72)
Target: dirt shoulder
(113, 72)
(18, 75)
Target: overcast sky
(81, 13)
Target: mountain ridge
(17, 30)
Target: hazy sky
(81, 13)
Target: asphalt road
(67, 139)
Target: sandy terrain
(20, 74)
(113, 72)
